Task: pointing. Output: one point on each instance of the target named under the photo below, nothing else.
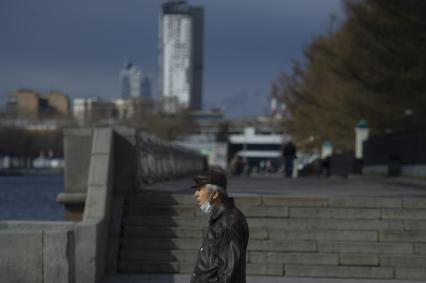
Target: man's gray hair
(223, 195)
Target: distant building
(87, 110)
(257, 148)
(125, 109)
(181, 56)
(59, 103)
(28, 104)
(134, 83)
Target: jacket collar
(218, 212)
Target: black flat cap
(212, 177)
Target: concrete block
(74, 212)
(115, 225)
(161, 199)
(117, 205)
(186, 268)
(21, 256)
(112, 253)
(405, 214)
(28, 226)
(129, 133)
(265, 269)
(258, 234)
(102, 141)
(335, 213)
(415, 225)
(294, 201)
(58, 256)
(366, 248)
(161, 244)
(265, 211)
(147, 267)
(125, 163)
(322, 235)
(71, 198)
(419, 203)
(419, 249)
(362, 202)
(358, 260)
(266, 222)
(339, 271)
(99, 170)
(160, 210)
(402, 236)
(78, 132)
(77, 152)
(403, 261)
(288, 246)
(326, 224)
(96, 202)
(166, 232)
(188, 256)
(241, 201)
(166, 221)
(293, 258)
(87, 245)
(410, 273)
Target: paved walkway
(161, 278)
(358, 186)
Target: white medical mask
(206, 207)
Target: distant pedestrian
(325, 167)
(222, 256)
(289, 155)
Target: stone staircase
(374, 238)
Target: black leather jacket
(222, 256)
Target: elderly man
(222, 256)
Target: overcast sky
(79, 46)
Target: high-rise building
(146, 86)
(134, 83)
(181, 56)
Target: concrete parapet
(59, 256)
(93, 231)
(87, 251)
(37, 252)
(21, 256)
(161, 161)
(77, 152)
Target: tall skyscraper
(181, 56)
(134, 83)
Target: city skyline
(78, 47)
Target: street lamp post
(361, 135)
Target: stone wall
(37, 252)
(345, 237)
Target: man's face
(201, 194)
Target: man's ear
(215, 195)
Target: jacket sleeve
(230, 257)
